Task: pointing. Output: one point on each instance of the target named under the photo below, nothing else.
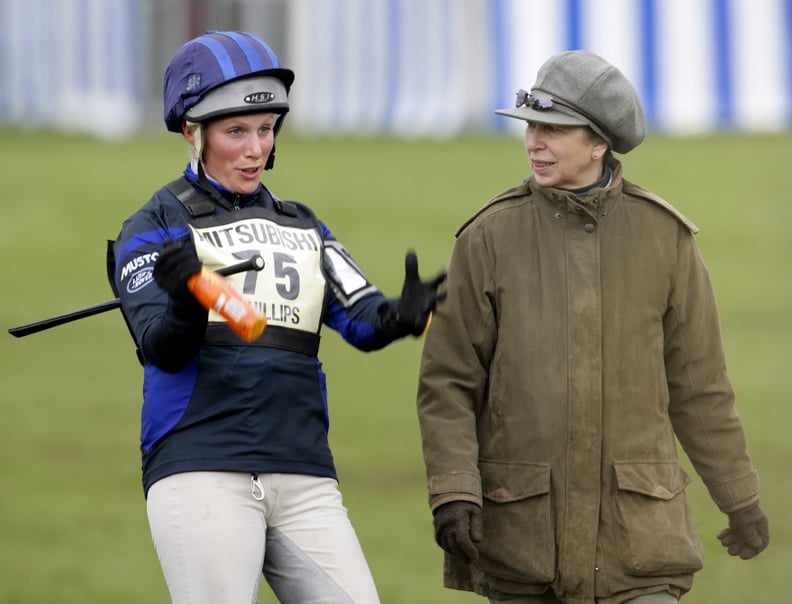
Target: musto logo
(140, 279)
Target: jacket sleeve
(167, 332)
(356, 308)
(702, 407)
(360, 323)
(453, 376)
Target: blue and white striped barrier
(72, 64)
(419, 67)
(412, 67)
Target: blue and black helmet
(223, 73)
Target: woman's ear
(188, 134)
(599, 149)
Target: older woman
(580, 337)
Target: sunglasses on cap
(526, 99)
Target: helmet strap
(271, 159)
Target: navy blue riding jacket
(212, 402)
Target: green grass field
(72, 515)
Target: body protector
(299, 265)
(290, 291)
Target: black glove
(173, 267)
(457, 527)
(748, 532)
(418, 300)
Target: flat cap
(580, 88)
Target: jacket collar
(195, 174)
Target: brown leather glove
(457, 528)
(748, 532)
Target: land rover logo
(259, 98)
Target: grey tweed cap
(580, 88)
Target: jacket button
(589, 227)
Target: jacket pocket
(655, 528)
(517, 519)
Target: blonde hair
(196, 147)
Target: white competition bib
(290, 289)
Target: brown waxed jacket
(577, 339)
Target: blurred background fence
(404, 67)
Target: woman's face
(566, 157)
(236, 149)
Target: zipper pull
(256, 488)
